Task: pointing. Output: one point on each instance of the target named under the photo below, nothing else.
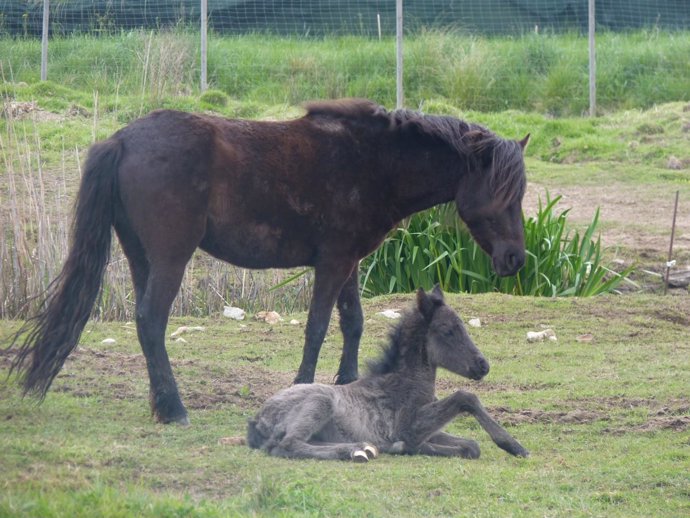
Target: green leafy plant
(433, 247)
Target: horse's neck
(424, 179)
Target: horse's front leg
(329, 278)
(351, 325)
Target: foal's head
(448, 344)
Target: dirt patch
(516, 417)
(632, 217)
(19, 110)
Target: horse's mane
(507, 180)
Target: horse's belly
(257, 245)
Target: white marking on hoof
(360, 456)
(371, 451)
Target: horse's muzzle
(509, 262)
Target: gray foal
(392, 409)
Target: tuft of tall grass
(433, 247)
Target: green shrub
(433, 247)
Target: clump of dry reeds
(36, 197)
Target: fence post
(592, 62)
(204, 44)
(399, 54)
(44, 40)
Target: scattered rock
(234, 313)
(181, 340)
(270, 317)
(674, 163)
(587, 337)
(540, 336)
(390, 313)
(474, 322)
(679, 279)
(109, 341)
(232, 441)
(186, 329)
(294, 322)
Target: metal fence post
(592, 62)
(204, 44)
(44, 40)
(399, 54)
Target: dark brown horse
(322, 190)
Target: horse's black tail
(50, 336)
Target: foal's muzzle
(480, 369)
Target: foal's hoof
(368, 452)
(371, 451)
(360, 456)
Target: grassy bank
(535, 72)
(604, 412)
(47, 129)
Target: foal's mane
(411, 327)
(470, 141)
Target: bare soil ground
(87, 370)
(635, 220)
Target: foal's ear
(425, 304)
(523, 143)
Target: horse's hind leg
(351, 325)
(156, 282)
(153, 310)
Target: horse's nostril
(514, 262)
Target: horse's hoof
(181, 420)
(360, 456)
(371, 451)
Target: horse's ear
(425, 304)
(523, 143)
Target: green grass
(545, 73)
(434, 247)
(598, 418)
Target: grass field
(604, 411)
(606, 418)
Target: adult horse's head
(489, 196)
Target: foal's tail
(255, 439)
(50, 336)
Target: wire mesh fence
(491, 55)
(312, 18)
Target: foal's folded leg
(447, 445)
(304, 423)
(297, 449)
